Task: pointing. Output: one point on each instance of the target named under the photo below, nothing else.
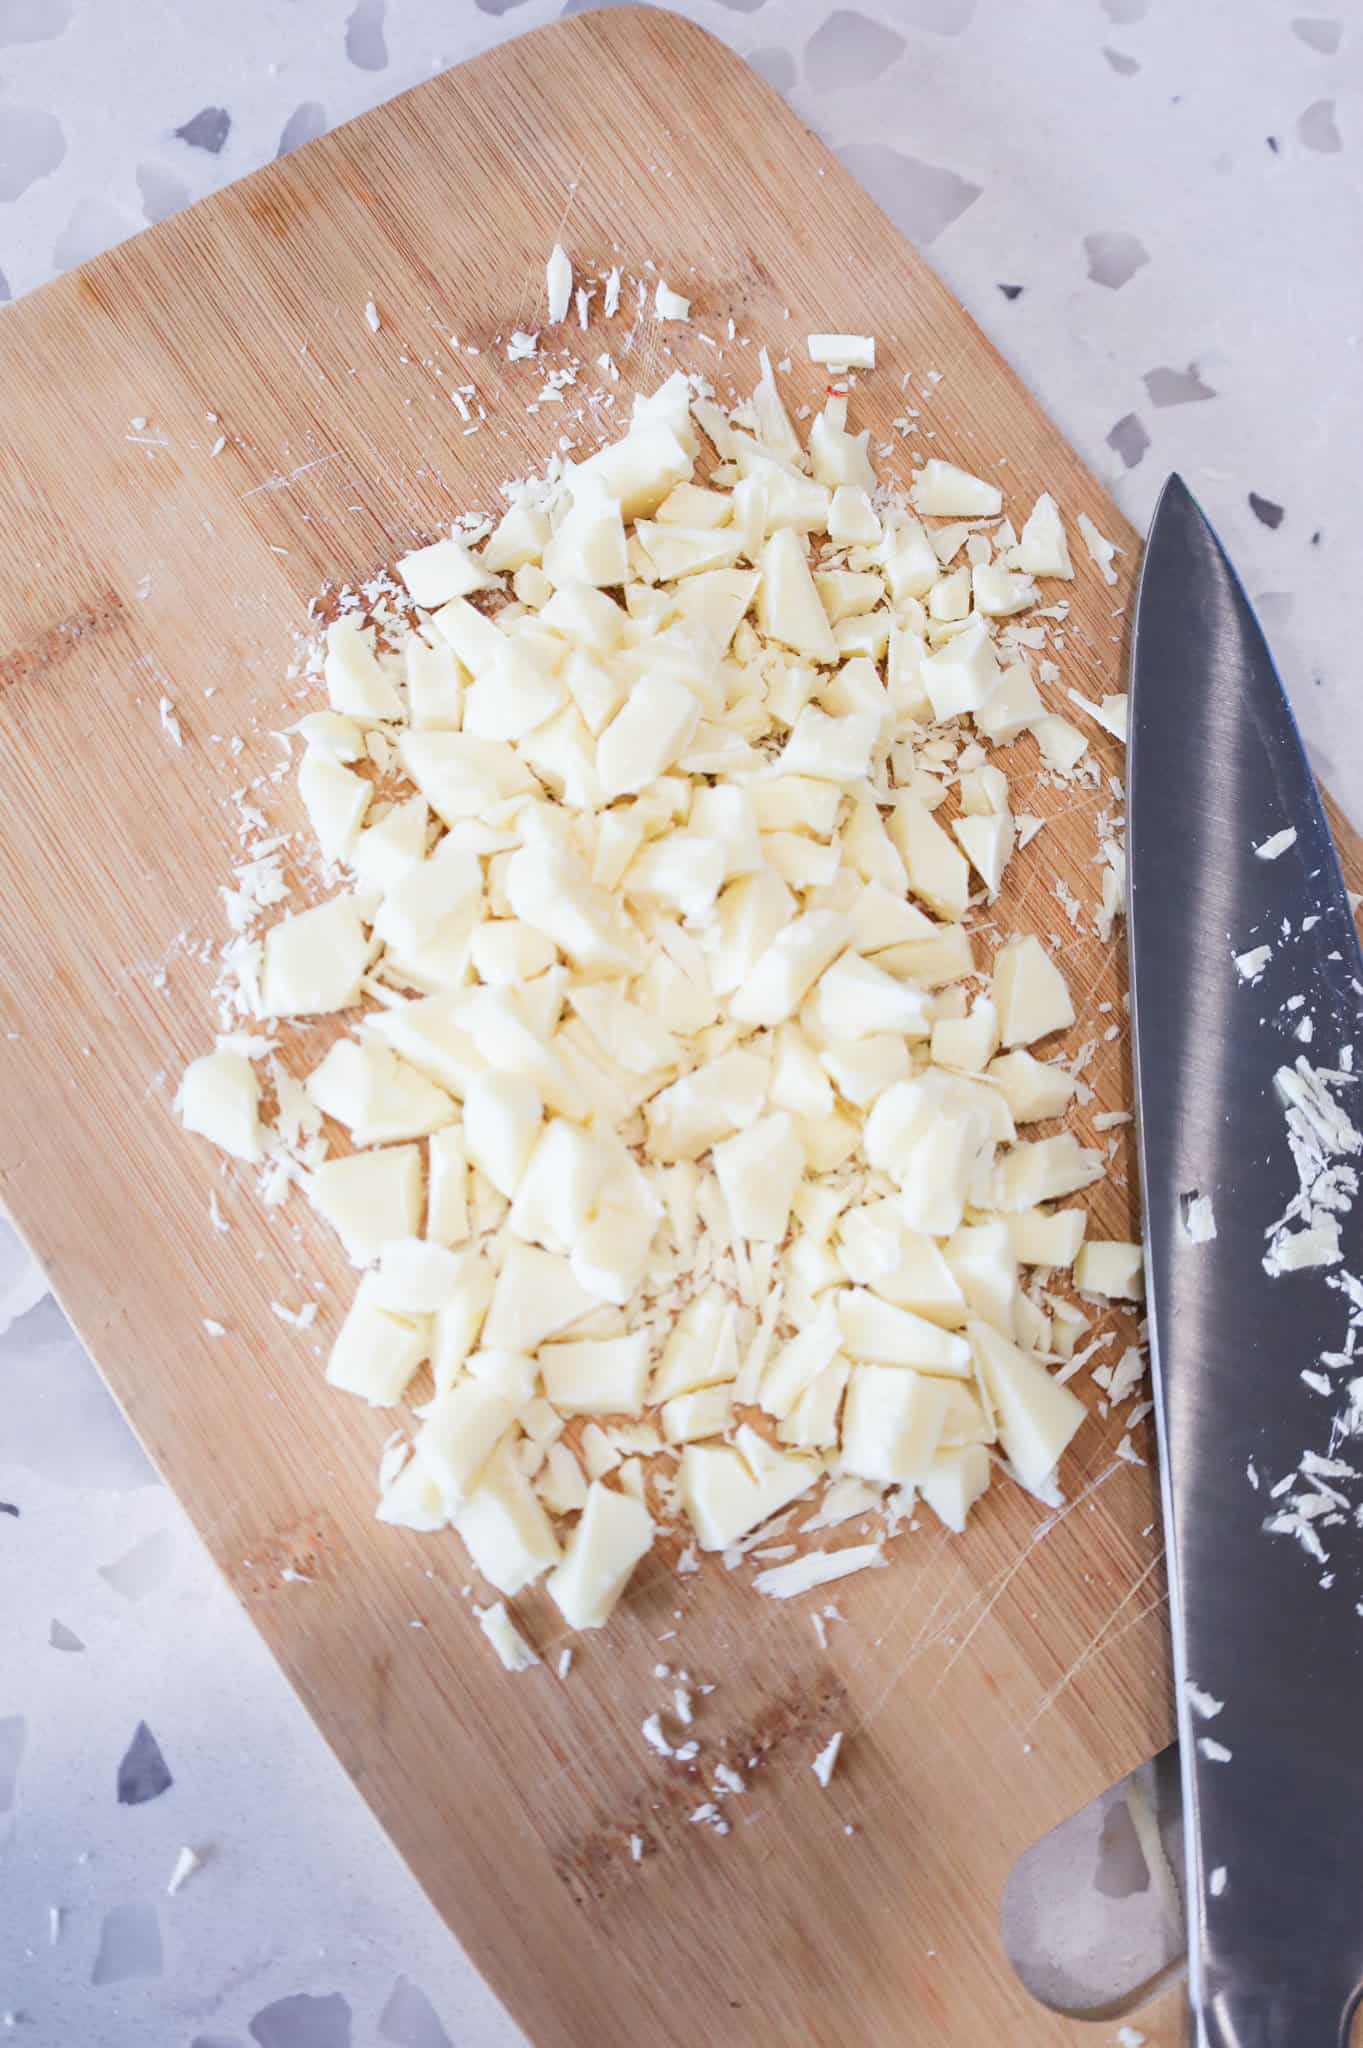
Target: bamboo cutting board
(987, 1686)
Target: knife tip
(1175, 493)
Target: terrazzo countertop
(1154, 210)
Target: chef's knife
(1262, 1624)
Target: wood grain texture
(987, 1686)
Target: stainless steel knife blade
(1273, 1776)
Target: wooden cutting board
(986, 1687)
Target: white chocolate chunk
(987, 843)
(536, 1295)
(686, 1119)
(602, 1551)
(513, 1651)
(392, 843)
(1042, 549)
(830, 749)
(357, 685)
(219, 1099)
(314, 960)
(550, 891)
(370, 1197)
(1062, 745)
(1033, 1088)
(336, 801)
(445, 569)
(999, 593)
(1013, 704)
(412, 1500)
(726, 1492)
(645, 737)
(1048, 1237)
(462, 1429)
(502, 1118)
(962, 674)
(937, 871)
(375, 1354)
(941, 491)
(558, 284)
(967, 1043)
(954, 1481)
(519, 538)
(1044, 1172)
(981, 1259)
(327, 732)
(703, 1413)
(892, 1423)
(606, 1376)
(759, 1171)
(852, 520)
(701, 1348)
(457, 1326)
(855, 998)
(1029, 993)
(875, 1331)
(377, 1096)
(787, 970)
(431, 898)
(798, 1364)
(416, 1277)
(1101, 551)
(1113, 1269)
(505, 1529)
(788, 606)
(843, 351)
(1037, 1418)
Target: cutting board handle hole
(1092, 1914)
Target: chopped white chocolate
(612, 1535)
(942, 491)
(728, 1491)
(602, 1376)
(370, 1197)
(1029, 993)
(445, 569)
(1114, 1270)
(843, 351)
(817, 1568)
(558, 284)
(1044, 1237)
(375, 1353)
(825, 1763)
(1042, 549)
(954, 1481)
(219, 1099)
(506, 1639)
(314, 960)
(1037, 1417)
(893, 1423)
(667, 825)
(378, 1097)
(1101, 552)
(504, 1528)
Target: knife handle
(1312, 2013)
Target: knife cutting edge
(1247, 1024)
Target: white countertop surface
(1177, 192)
